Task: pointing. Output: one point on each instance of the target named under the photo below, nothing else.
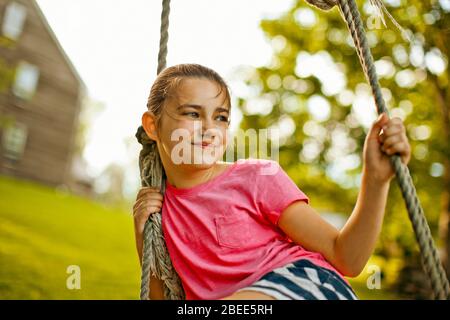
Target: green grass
(43, 231)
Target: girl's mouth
(203, 145)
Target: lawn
(44, 231)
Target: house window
(14, 20)
(25, 83)
(14, 140)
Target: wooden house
(40, 98)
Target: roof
(58, 44)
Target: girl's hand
(378, 147)
(148, 201)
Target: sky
(113, 44)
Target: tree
(315, 92)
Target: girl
(244, 230)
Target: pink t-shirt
(222, 235)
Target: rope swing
(155, 257)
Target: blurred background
(74, 80)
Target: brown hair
(170, 78)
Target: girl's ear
(149, 125)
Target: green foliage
(412, 89)
(43, 231)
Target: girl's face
(194, 124)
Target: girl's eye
(195, 115)
(224, 118)
(189, 113)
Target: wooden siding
(51, 116)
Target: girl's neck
(187, 176)
(188, 179)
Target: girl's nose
(208, 135)
(206, 124)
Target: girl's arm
(349, 249)
(356, 241)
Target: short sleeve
(275, 190)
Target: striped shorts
(303, 280)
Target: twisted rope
(164, 36)
(430, 258)
(155, 256)
(323, 4)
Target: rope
(430, 258)
(323, 4)
(155, 256)
(164, 36)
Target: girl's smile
(203, 145)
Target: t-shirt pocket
(233, 231)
